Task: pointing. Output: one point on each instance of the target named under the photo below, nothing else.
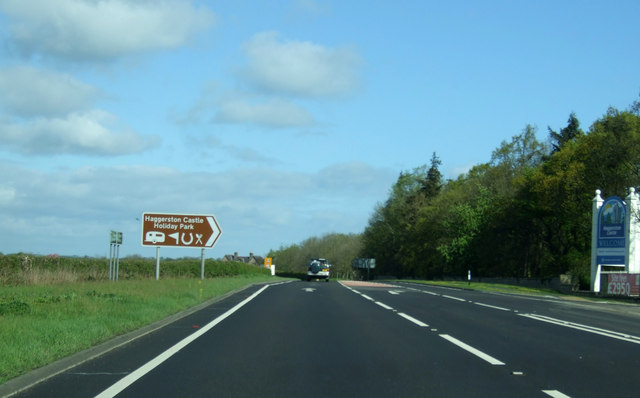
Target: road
(319, 339)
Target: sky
(284, 119)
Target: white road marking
(386, 307)
(493, 306)
(367, 297)
(393, 292)
(585, 328)
(149, 366)
(431, 293)
(555, 394)
(412, 319)
(454, 298)
(472, 350)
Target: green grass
(41, 324)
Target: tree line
(524, 213)
(338, 249)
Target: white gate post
(633, 233)
(595, 277)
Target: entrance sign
(180, 230)
(611, 232)
(615, 244)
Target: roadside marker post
(115, 240)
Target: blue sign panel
(611, 227)
(610, 260)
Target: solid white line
(555, 394)
(453, 298)
(386, 307)
(414, 320)
(493, 306)
(472, 350)
(585, 328)
(149, 366)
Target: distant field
(53, 307)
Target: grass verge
(41, 324)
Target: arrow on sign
(215, 231)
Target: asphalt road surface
(316, 339)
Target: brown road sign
(179, 230)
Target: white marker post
(157, 262)
(202, 264)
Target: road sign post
(115, 240)
(179, 230)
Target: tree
(433, 183)
(524, 151)
(567, 134)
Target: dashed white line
(414, 320)
(493, 306)
(367, 297)
(386, 307)
(474, 351)
(454, 298)
(555, 394)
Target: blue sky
(284, 119)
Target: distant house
(251, 259)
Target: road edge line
(132, 377)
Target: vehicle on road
(318, 268)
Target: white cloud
(258, 209)
(356, 176)
(300, 68)
(95, 30)
(310, 8)
(274, 113)
(278, 75)
(27, 91)
(92, 132)
(241, 107)
(7, 195)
